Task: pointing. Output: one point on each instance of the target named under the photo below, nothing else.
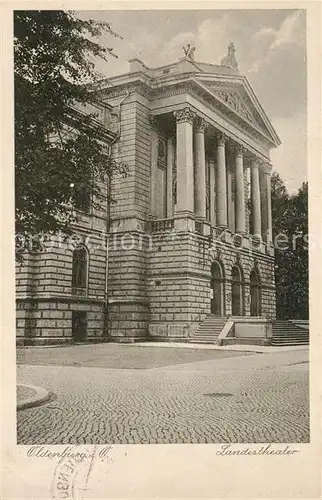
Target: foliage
(290, 219)
(54, 68)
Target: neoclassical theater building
(189, 231)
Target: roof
(210, 78)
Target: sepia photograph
(161, 228)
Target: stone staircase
(285, 333)
(209, 330)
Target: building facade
(189, 232)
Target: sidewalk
(268, 360)
(240, 348)
(185, 345)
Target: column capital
(221, 139)
(239, 150)
(201, 124)
(255, 162)
(266, 168)
(184, 115)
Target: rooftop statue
(230, 60)
(189, 51)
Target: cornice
(138, 85)
(156, 87)
(205, 92)
(201, 91)
(102, 132)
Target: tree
(290, 219)
(54, 70)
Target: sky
(270, 50)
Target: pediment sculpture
(233, 100)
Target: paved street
(129, 394)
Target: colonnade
(191, 179)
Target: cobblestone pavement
(243, 399)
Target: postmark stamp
(73, 471)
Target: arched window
(80, 265)
(255, 293)
(237, 291)
(217, 289)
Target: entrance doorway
(255, 294)
(236, 291)
(79, 325)
(217, 289)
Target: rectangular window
(82, 199)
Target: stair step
(286, 333)
(289, 344)
(283, 335)
(204, 329)
(208, 335)
(209, 330)
(285, 339)
(205, 337)
(204, 341)
(290, 337)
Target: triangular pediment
(233, 100)
(240, 99)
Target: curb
(40, 396)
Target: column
(255, 197)
(247, 196)
(200, 172)
(221, 192)
(212, 192)
(170, 160)
(154, 159)
(230, 198)
(266, 204)
(240, 225)
(185, 178)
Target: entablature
(215, 120)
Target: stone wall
(44, 294)
(179, 281)
(127, 289)
(49, 321)
(131, 194)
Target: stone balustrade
(162, 225)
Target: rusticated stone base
(49, 321)
(128, 321)
(57, 341)
(127, 340)
(168, 331)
